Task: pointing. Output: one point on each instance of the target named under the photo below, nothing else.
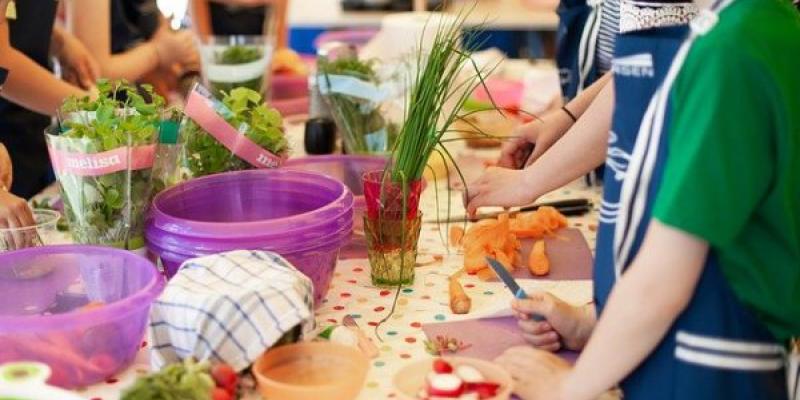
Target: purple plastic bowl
(242, 204)
(345, 168)
(318, 262)
(80, 309)
(293, 213)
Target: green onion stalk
(443, 80)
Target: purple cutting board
(569, 255)
(487, 337)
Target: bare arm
(28, 84)
(581, 149)
(90, 22)
(629, 329)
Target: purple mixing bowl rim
(151, 225)
(170, 220)
(116, 309)
(338, 237)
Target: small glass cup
(31, 236)
(237, 61)
(392, 249)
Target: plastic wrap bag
(240, 132)
(102, 155)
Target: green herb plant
(188, 380)
(235, 55)
(362, 124)
(108, 209)
(443, 79)
(246, 112)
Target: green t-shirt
(732, 176)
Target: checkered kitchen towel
(229, 307)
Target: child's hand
(177, 48)
(80, 67)
(520, 152)
(6, 171)
(538, 375)
(14, 213)
(498, 187)
(564, 325)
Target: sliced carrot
(456, 235)
(504, 259)
(538, 263)
(487, 275)
(474, 259)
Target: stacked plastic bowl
(82, 310)
(347, 169)
(305, 217)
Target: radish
(469, 374)
(470, 396)
(445, 385)
(485, 390)
(441, 366)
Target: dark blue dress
(22, 130)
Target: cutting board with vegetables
(484, 338)
(566, 250)
(569, 255)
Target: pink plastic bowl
(82, 310)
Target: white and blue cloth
(229, 307)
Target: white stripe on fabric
(728, 345)
(644, 156)
(726, 362)
(586, 48)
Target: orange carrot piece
(456, 235)
(460, 303)
(538, 263)
(474, 259)
(486, 275)
(504, 259)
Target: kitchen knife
(510, 282)
(568, 207)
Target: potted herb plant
(443, 80)
(236, 61)
(102, 153)
(355, 95)
(240, 132)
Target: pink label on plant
(107, 162)
(201, 112)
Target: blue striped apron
(716, 349)
(576, 38)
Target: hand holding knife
(511, 283)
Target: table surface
(498, 14)
(424, 302)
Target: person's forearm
(56, 40)
(34, 87)
(132, 64)
(630, 327)
(579, 151)
(584, 99)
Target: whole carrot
(460, 303)
(537, 261)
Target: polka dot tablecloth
(401, 337)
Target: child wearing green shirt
(704, 254)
